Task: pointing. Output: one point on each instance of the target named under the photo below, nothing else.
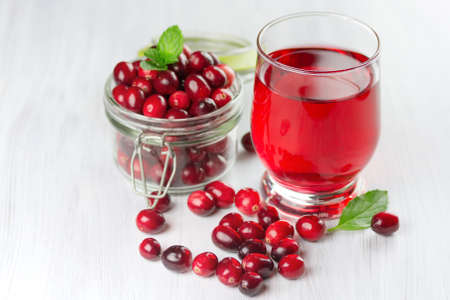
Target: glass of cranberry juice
(316, 110)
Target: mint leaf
(359, 212)
(150, 65)
(170, 44)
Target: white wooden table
(67, 216)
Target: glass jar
(176, 156)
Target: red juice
(315, 131)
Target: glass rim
(369, 28)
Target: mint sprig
(169, 47)
(359, 212)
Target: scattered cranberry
(180, 100)
(221, 97)
(284, 247)
(201, 203)
(134, 99)
(150, 248)
(291, 266)
(202, 107)
(163, 204)
(119, 93)
(166, 82)
(187, 51)
(215, 58)
(258, 263)
(251, 284)
(251, 246)
(267, 215)
(232, 220)
(385, 223)
(142, 84)
(214, 164)
(248, 201)
(176, 113)
(192, 174)
(196, 87)
(205, 264)
(180, 67)
(196, 154)
(215, 76)
(247, 143)
(277, 231)
(147, 74)
(226, 238)
(251, 230)
(219, 147)
(177, 258)
(199, 60)
(124, 73)
(149, 221)
(229, 271)
(229, 72)
(222, 193)
(155, 106)
(310, 228)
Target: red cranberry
(232, 220)
(201, 203)
(221, 97)
(222, 193)
(310, 228)
(150, 248)
(278, 231)
(180, 100)
(124, 72)
(284, 247)
(134, 99)
(215, 76)
(137, 169)
(149, 221)
(219, 147)
(251, 246)
(267, 215)
(385, 223)
(248, 201)
(166, 82)
(214, 58)
(226, 238)
(123, 160)
(291, 266)
(177, 258)
(205, 264)
(175, 114)
(136, 64)
(180, 67)
(196, 154)
(251, 230)
(229, 72)
(229, 271)
(258, 263)
(192, 174)
(214, 164)
(142, 84)
(202, 107)
(251, 284)
(199, 60)
(147, 74)
(247, 143)
(119, 93)
(155, 106)
(156, 172)
(163, 204)
(187, 51)
(196, 87)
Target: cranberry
(202, 107)
(124, 72)
(284, 247)
(251, 284)
(310, 228)
(142, 84)
(222, 193)
(196, 87)
(229, 72)
(201, 203)
(229, 271)
(214, 58)
(248, 201)
(199, 60)
(232, 220)
(156, 172)
(251, 230)
(150, 248)
(136, 64)
(166, 82)
(187, 51)
(291, 266)
(137, 168)
(278, 231)
(205, 264)
(251, 246)
(147, 74)
(247, 142)
(176, 113)
(267, 215)
(149, 221)
(214, 164)
(226, 238)
(221, 97)
(385, 223)
(196, 154)
(180, 100)
(219, 147)
(134, 99)
(215, 76)
(177, 258)
(163, 204)
(180, 67)
(123, 160)
(119, 93)
(155, 106)
(258, 263)
(192, 174)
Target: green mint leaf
(154, 55)
(150, 65)
(359, 212)
(170, 44)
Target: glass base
(327, 205)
